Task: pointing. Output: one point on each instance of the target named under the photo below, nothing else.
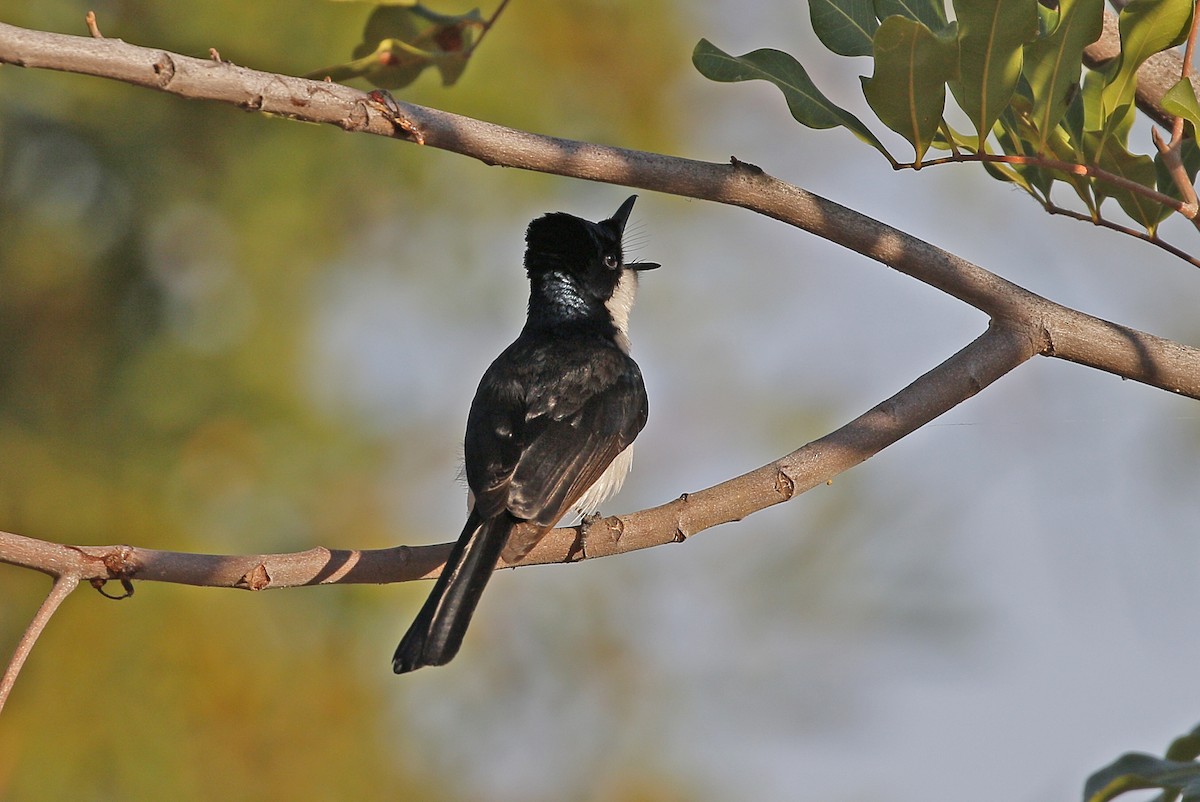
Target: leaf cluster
(1015, 70)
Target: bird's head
(587, 257)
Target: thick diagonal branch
(1067, 333)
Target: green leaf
(1186, 747)
(1016, 135)
(804, 100)
(1110, 155)
(844, 26)
(908, 89)
(1068, 148)
(1018, 115)
(1180, 100)
(930, 13)
(401, 40)
(990, 36)
(1147, 27)
(946, 135)
(1091, 103)
(1027, 177)
(1053, 63)
(1115, 123)
(1133, 771)
(1120, 124)
(1049, 15)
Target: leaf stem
(1073, 168)
(487, 26)
(1097, 220)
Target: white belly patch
(608, 484)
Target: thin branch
(1185, 69)
(487, 26)
(1170, 151)
(319, 566)
(994, 353)
(1074, 168)
(59, 591)
(1152, 239)
(93, 28)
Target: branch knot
(257, 578)
(164, 68)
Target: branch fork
(1021, 325)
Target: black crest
(565, 243)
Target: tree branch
(1057, 330)
(994, 353)
(1073, 168)
(1022, 324)
(59, 591)
(1076, 336)
(1097, 220)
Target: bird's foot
(579, 547)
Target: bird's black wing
(574, 447)
(539, 442)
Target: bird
(551, 427)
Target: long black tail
(437, 632)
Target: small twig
(1174, 164)
(1170, 151)
(1073, 168)
(950, 138)
(93, 28)
(214, 55)
(487, 26)
(1185, 71)
(1133, 232)
(63, 585)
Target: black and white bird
(553, 421)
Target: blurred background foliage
(223, 332)
(162, 269)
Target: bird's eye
(611, 261)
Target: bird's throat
(556, 300)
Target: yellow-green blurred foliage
(157, 265)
